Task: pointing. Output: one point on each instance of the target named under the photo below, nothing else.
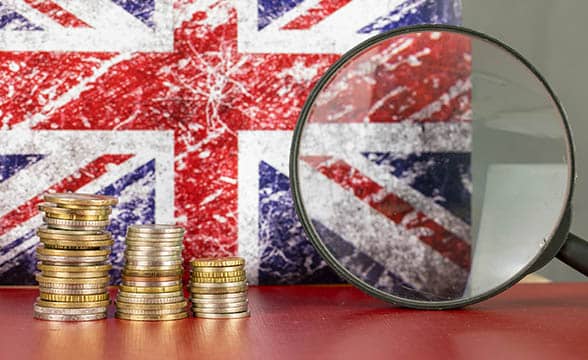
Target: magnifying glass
(433, 167)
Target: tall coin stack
(73, 257)
(218, 288)
(151, 288)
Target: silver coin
(151, 295)
(68, 311)
(197, 300)
(155, 258)
(154, 237)
(79, 286)
(219, 297)
(152, 263)
(155, 229)
(209, 305)
(75, 224)
(240, 315)
(72, 291)
(152, 252)
(149, 300)
(218, 285)
(52, 259)
(152, 283)
(224, 310)
(149, 312)
(166, 246)
(64, 317)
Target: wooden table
(530, 321)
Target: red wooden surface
(530, 321)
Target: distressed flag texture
(184, 109)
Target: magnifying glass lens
(431, 166)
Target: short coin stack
(73, 257)
(219, 288)
(151, 288)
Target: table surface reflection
(538, 321)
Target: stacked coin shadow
(151, 288)
(73, 257)
(218, 288)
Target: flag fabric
(183, 109)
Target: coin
(220, 290)
(153, 289)
(65, 260)
(218, 269)
(228, 274)
(161, 268)
(72, 305)
(221, 297)
(80, 199)
(138, 311)
(53, 211)
(217, 280)
(42, 279)
(149, 300)
(49, 290)
(58, 317)
(48, 232)
(156, 229)
(159, 237)
(150, 253)
(152, 283)
(196, 299)
(86, 268)
(163, 246)
(219, 310)
(57, 252)
(217, 305)
(150, 278)
(85, 225)
(220, 262)
(152, 272)
(74, 244)
(127, 294)
(73, 298)
(178, 316)
(59, 311)
(177, 305)
(240, 315)
(75, 275)
(97, 236)
(132, 263)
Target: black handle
(575, 253)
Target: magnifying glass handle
(575, 253)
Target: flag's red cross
(205, 91)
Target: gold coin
(75, 245)
(50, 208)
(152, 289)
(215, 269)
(70, 286)
(154, 268)
(83, 253)
(155, 229)
(177, 316)
(75, 275)
(196, 299)
(155, 273)
(42, 279)
(227, 274)
(57, 215)
(152, 253)
(218, 262)
(69, 260)
(80, 199)
(240, 315)
(73, 298)
(195, 279)
(72, 305)
(88, 268)
(176, 306)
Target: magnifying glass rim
(315, 238)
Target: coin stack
(151, 288)
(73, 257)
(219, 288)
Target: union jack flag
(183, 109)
